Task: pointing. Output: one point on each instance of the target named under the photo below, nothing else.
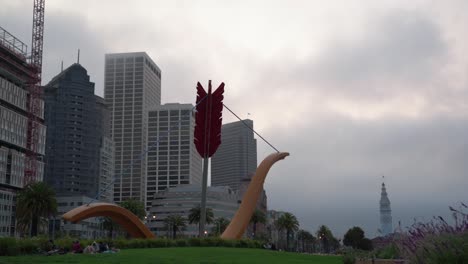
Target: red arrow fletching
(208, 120)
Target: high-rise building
(172, 158)
(386, 226)
(15, 75)
(236, 157)
(132, 87)
(78, 140)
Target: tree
(135, 206)
(306, 239)
(257, 217)
(327, 240)
(220, 224)
(195, 213)
(109, 225)
(175, 222)
(35, 201)
(287, 222)
(366, 244)
(355, 238)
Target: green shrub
(388, 252)
(171, 243)
(194, 242)
(182, 242)
(228, 243)
(65, 243)
(8, 247)
(242, 244)
(158, 242)
(27, 246)
(349, 258)
(12, 246)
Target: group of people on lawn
(76, 248)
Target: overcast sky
(352, 89)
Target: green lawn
(183, 255)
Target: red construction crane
(35, 106)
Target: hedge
(12, 247)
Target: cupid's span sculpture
(137, 229)
(241, 219)
(123, 217)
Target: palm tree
(287, 222)
(195, 213)
(306, 238)
(35, 201)
(327, 240)
(257, 217)
(175, 222)
(109, 225)
(220, 224)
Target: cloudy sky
(352, 89)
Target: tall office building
(172, 157)
(236, 157)
(386, 226)
(15, 75)
(78, 139)
(132, 87)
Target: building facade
(132, 87)
(78, 140)
(386, 226)
(15, 74)
(90, 228)
(172, 158)
(179, 200)
(236, 157)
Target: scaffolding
(13, 44)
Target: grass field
(201, 255)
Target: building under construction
(17, 75)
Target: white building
(132, 86)
(386, 226)
(179, 201)
(172, 157)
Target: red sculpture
(207, 134)
(208, 120)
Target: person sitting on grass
(76, 247)
(103, 248)
(95, 246)
(89, 249)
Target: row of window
(13, 94)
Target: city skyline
(365, 90)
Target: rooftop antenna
(78, 61)
(61, 67)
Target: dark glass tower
(78, 134)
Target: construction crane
(35, 103)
